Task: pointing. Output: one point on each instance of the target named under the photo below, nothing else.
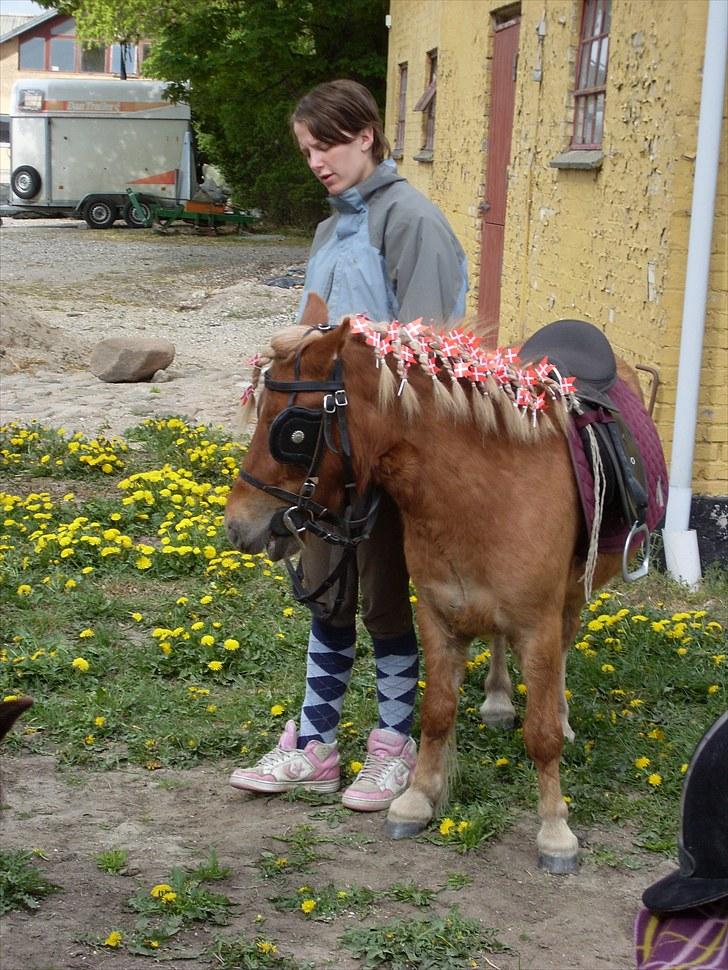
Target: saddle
(618, 420)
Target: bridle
(301, 436)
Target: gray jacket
(388, 252)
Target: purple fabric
(696, 939)
(614, 532)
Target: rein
(303, 514)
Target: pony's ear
(315, 312)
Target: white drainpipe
(681, 543)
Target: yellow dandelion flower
(655, 780)
(231, 644)
(137, 617)
(169, 897)
(265, 946)
(113, 940)
(86, 634)
(288, 611)
(607, 668)
(355, 766)
(501, 762)
(159, 890)
(24, 590)
(521, 688)
(204, 600)
(152, 944)
(277, 710)
(641, 762)
(99, 721)
(713, 689)
(308, 905)
(463, 826)
(657, 734)
(214, 665)
(208, 640)
(80, 663)
(446, 826)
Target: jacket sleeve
(426, 265)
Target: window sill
(576, 158)
(424, 156)
(396, 154)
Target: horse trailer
(77, 144)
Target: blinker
(294, 435)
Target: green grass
(22, 885)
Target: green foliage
(258, 954)
(433, 944)
(243, 66)
(21, 884)
(113, 861)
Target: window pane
(598, 19)
(32, 54)
(63, 54)
(599, 122)
(589, 119)
(66, 26)
(593, 62)
(602, 68)
(607, 16)
(579, 123)
(130, 53)
(93, 59)
(4, 129)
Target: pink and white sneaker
(315, 767)
(390, 761)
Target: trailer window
(4, 129)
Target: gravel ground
(65, 287)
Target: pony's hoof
(397, 829)
(558, 865)
(499, 722)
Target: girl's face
(337, 167)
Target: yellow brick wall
(609, 245)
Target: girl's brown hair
(335, 113)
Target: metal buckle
(340, 398)
(308, 488)
(291, 526)
(644, 567)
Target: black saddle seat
(578, 349)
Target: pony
(473, 450)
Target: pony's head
(294, 469)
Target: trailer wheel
(132, 219)
(100, 213)
(25, 181)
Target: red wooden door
(502, 102)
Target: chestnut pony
(491, 520)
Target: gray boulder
(119, 360)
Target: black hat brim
(676, 892)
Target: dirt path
(64, 288)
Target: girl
(387, 252)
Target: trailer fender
(25, 181)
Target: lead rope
(599, 494)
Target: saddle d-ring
(644, 567)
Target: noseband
(301, 436)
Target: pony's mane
(493, 388)
(468, 382)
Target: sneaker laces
(375, 768)
(275, 757)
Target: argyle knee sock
(397, 673)
(328, 668)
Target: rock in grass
(120, 360)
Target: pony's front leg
(445, 665)
(497, 711)
(543, 735)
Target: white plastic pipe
(681, 543)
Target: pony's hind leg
(543, 735)
(497, 711)
(413, 810)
